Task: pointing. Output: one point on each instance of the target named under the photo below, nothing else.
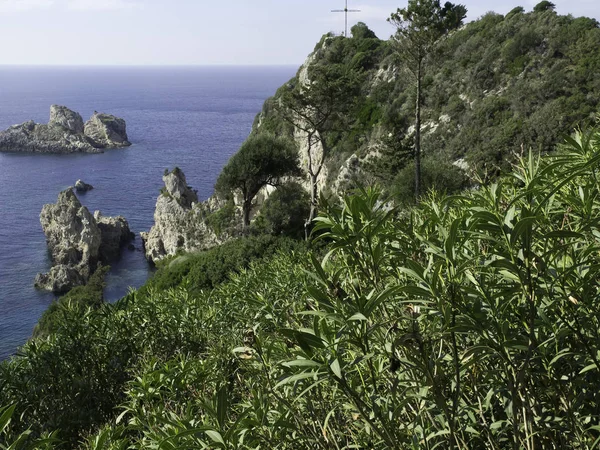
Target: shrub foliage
(469, 321)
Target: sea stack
(78, 241)
(106, 131)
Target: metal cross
(346, 11)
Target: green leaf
(215, 436)
(222, 405)
(307, 341)
(562, 234)
(297, 377)
(301, 363)
(336, 369)
(523, 227)
(358, 317)
(5, 416)
(588, 368)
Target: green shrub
(544, 6)
(81, 297)
(362, 31)
(223, 219)
(285, 212)
(205, 270)
(436, 174)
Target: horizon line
(150, 65)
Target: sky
(198, 32)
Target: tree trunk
(313, 186)
(246, 207)
(313, 197)
(418, 136)
(313, 204)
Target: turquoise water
(194, 118)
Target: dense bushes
(285, 211)
(73, 379)
(439, 175)
(82, 297)
(468, 322)
(205, 270)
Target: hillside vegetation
(467, 322)
(496, 87)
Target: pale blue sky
(191, 32)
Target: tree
(419, 28)
(285, 211)
(515, 11)
(262, 160)
(362, 31)
(544, 6)
(319, 107)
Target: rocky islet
(66, 132)
(82, 186)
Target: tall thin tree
(419, 29)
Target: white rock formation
(77, 242)
(179, 221)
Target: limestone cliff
(180, 222)
(77, 242)
(65, 132)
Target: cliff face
(179, 221)
(77, 242)
(114, 234)
(66, 133)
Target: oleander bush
(468, 321)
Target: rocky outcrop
(81, 186)
(64, 117)
(38, 138)
(66, 133)
(60, 279)
(115, 234)
(179, 221)
(106, 131)
(73, 239)
(77, 242)
(176, 186)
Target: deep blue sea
(191, 117)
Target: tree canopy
(319, 107)
(262, 160)
(544, 6)
(362, 31)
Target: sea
(194, 118)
